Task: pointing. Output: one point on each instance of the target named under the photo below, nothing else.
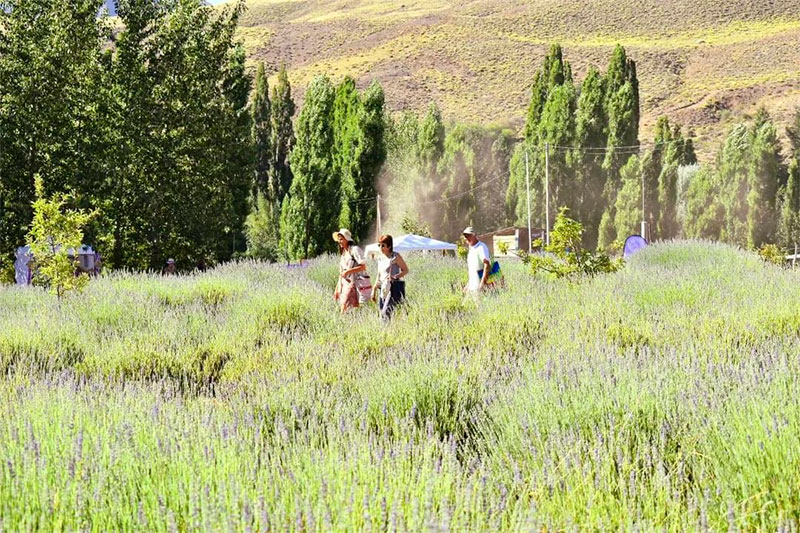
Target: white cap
(468, 231)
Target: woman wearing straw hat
(351, 265)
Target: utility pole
(379, 216)
(644, 224)
(528, 188)
(547, 192)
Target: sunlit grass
(737, 32)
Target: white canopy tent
(410, 243)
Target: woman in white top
(351, 267)
(390, 285)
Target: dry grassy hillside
(702, 62)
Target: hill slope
(700, 61)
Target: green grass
(659, 397)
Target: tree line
(154, 123)
(599, 169)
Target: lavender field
(664, 396)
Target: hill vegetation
(702, 63)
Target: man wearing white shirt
(477, 261)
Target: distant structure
(516, 238)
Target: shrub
(772, 253)
(566, 255)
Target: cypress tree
(628, 208)
(430, 186)
(261, 136)
(622, 108)
(789, 229)
(766, 177)
(789, 222)
(370, 155)
(733, 162)
(282, 135)
(346, 137)
(591, 132)
(310, 211)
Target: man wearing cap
(477, 261)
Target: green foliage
(705, 212)
(310, 210)
(566, 255)
(282, 141)
(54, 232)
(772, 253)
(591, 131)
(53, 106)
(415, 226)
(261, 228)
(462, 248)
(596, 120)
(628, 208)
(261, 136)
(360, 151)
(430, 142)
(789, 223)
(180, 126)
(622, 108)
(766, 177)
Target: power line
(612, 148)
(631, 149)
(459, 195)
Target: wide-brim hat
(344, 233)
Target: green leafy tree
(261, 137)
(705, 212)
(430, 185)
(567, 256)
(458, 169)
(54, 232)
(360, 152)
(557, 128)
(732, 165)
(766, 177)
(550, 119)
(182, 168)
(260, 231)
(311, 209)
(52, 114)
(282, 130)
(628, 212)
(371, 155)
(591, 132)
(401, 173)
(686, 174)
(622, 108)
(346, 137)
(789, 223)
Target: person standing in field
(390, 287)
(170, 268)
(478, 264)
(352, 265)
